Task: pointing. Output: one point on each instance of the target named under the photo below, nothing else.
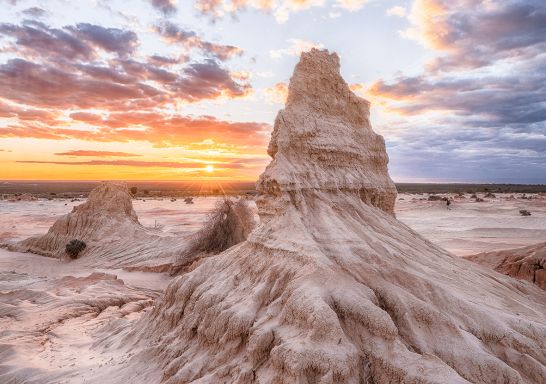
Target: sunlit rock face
(330, 287)
(527, 263)
(323, 139)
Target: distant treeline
(208, 187)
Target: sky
(179, 90)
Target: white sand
(468, 228)
(471, 227)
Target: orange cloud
(430, 24)
(88, 153)
(277, 93)
(150, 127)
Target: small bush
(74, 247)
(524, 212)
(227, 225)
(134, 190)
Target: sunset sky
(176, 90)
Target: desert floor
(52, 314)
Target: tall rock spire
(323, 139)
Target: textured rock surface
(331, 288)
(109, 226)
(48, 325)
(527, 263)
(323, 139)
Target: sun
(209, 168)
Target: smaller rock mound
(105, 217)
(522, 263)
(113, 236)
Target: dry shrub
(228, 224)
(74, 247)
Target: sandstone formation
(109, 226)
(331, 288)
(525, 263)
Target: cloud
(351, 5)
(167, 7)
(398, 11)
(89, 153)
(125, 84)
(35, 39)
(163, 61)
(189, 39)
(477, 112)
(114, 40)
(91, 83)
(82, 41)
(280, 9)
(35, 12)
(155, 128)
(207, 80)
(296, 47)
(47, 86)
(477, 34)
(277, 94)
